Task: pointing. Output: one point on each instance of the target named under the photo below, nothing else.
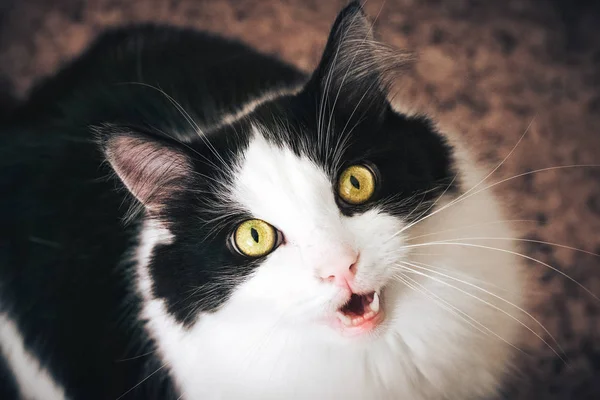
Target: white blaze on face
(295, 195)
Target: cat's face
(294, 213)
(330, 254)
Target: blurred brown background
(486, 69)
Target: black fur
(8, 385)
(65, 255)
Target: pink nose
(341, 269)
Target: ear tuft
(354, 64)
(152, 169)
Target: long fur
(198, 134)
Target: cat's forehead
(281, 186)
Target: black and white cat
(288, 237)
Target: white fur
(34, 382)
(247, 108)
(268, 341)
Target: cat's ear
(152, 169)
(355, 68)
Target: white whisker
(142, 381)
(497, 297)
(524, 240)
(469, 226)
(367, 34)
(441, 302)
(461, 274)
(463, 197)
(187, 117)
(468, 193)
(441, 243)
(492, 306)
(467, 316)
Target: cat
(185, 217)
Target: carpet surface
(489, 70)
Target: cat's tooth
(357, 321)
(374, 306)
(369, 315)
(345, 319)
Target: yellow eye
(255, 238)
(357, 184)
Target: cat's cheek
(381, 239)
(282, 285)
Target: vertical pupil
(354, 182)
(254, 234)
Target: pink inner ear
(150, 170)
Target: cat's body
(206, 133)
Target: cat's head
(296, 210)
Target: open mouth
(362, 310)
